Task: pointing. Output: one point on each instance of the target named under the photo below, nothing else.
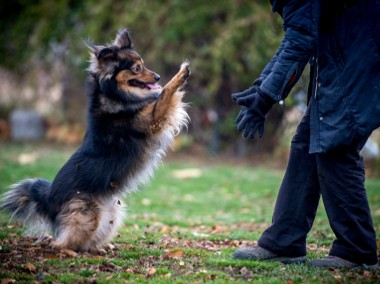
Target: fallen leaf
(175, 254)
(366, 273)
(151, 272)
(165, 229)
(31, 267)
(211, 277)
(235, 243)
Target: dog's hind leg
(76, 225)
(112, 212)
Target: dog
(132, 122)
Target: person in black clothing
(341, 41)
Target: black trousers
(337, 176)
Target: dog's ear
(106, 54)
(100, 52)
(123, 39)
(102, 59)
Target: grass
(181, 228)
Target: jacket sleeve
(296, 49)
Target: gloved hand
(251, 118)
(242, 98)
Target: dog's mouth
(142, 85)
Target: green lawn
(181, 228)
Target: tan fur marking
(122, 79)
(79, 220)
(146, 76)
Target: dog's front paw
(184, 73)
(185, 69)
(179, 80)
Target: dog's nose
(157, 77)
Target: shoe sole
(337, 262)
(290, 260)
(282, 259)
(357, 267)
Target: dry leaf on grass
(151, 272)
(175, 254)
(31, 267)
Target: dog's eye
(136, 68)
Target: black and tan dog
(131, 123)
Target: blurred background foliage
(43, 61)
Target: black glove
(242, 98)
(251, 118)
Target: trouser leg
(341, 177)
(297, 200)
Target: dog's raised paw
(185, 70)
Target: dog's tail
(27, 202)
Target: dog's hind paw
(43, 238)
(98, 251)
